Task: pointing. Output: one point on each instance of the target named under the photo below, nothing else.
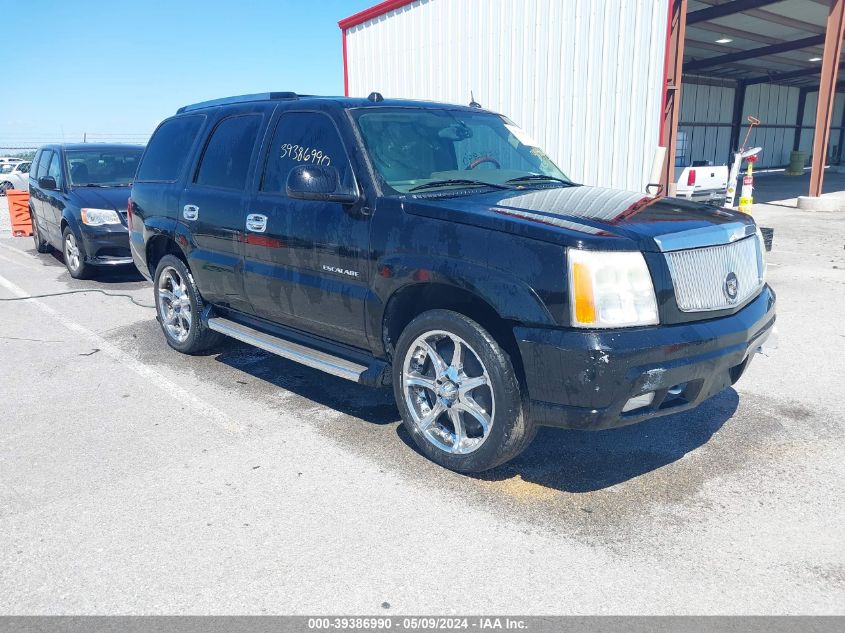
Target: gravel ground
(137, 480)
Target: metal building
(545, 64)
(602, 84)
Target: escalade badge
(731, 287)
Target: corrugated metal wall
(834, 144)
(710, 107)
(706, 110)
(773, 105)
(582, 77)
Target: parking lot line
(208, 411)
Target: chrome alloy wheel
(451, 401)
(72, 254)
(174, 305)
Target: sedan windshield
(425, 150)
(102, 168)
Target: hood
(114, 198)
(573, 215)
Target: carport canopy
(747, 44)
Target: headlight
(610, 289)
(98, 217)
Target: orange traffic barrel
(19, 212)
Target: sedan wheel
(72, 254)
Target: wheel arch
(409, 301)
(160, 245)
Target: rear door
(305, 260)
(36, 195)
(53, 204)
(213, 206)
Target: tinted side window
(225, 161)
(33, 172)
(44, 162)
(303, 138)
(168, 149)
(55, 169)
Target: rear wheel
(74, 256)
(458, 393)
(5, 186)
(41, 245)
(179, 306)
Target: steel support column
(675, 35)
(736, 119)
(827, 92)
(799, 118)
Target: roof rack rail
(261, 96)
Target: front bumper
(582, 379)
(106, 245)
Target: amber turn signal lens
(585, 306)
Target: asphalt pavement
(136, 480)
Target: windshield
(423, 148)
(103, 168)
(6, 168)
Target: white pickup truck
(703, 183)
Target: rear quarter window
(226, 160)
(168, 150)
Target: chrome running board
(288, 349)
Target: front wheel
(74, 256)
(458, 393)
(179, 306)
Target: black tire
(76, 266)
(510, 430)
(199, 337)
(4, 186)
(41, 245)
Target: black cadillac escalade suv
(437, 248)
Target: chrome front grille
(706, 278)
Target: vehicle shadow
(564, 460)
(104, 274)
(586, 461)
(375, 406)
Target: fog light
(637, 402)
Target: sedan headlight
(99, 217)
(610, 289)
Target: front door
(212, 208)
(305, 260)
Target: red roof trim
(373, 12)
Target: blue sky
(119, 67)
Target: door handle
(256, 223)
(190, 212)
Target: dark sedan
(77, 200)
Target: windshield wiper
(457, 182)
(539, 178)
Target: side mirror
(47, 182)
(316, 182)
